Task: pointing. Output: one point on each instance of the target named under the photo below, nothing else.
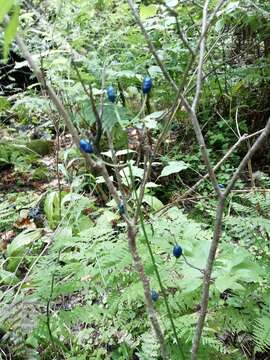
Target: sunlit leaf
(10, 31)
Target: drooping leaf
(173, 168)
(153, 202)
(22, 240)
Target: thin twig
(216, 238)
(151, 45)
(201, 58)
(99, 166)
(217, 166)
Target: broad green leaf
(189, 285)
(22, 240)
(150, 120)
(154, 70)
(106, 219)
(173, 168)
(148, 11)
(153, 202)
(171, 3)
(231, 7)
(10, 31)
(5, 6)
(51, 208)
(8, 278)
(227, 281)
(136, 172)
(63, 238)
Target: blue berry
(121, 207)
(154, 295)
(177, 251)
(86, 146)
(147, 85)
(111, 93)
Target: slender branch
(190, 110)
(132, 232)
(216, 238)
(99, 166)
(201, 58)
(116, 170)
(181, 34)
(151, 45)
(204, 152)
(147, 172)
(217, 166)
(95, 165)
(211, 18)
(93, 105)
(248, 156)
(156, 268)
(207, 279)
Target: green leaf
(147, 11)
(227, 282)
(150, 120)
(173, 167)
(63, 238)
(51, 208)
(8, 278)
(22, 240)
(10, 31)
(136, 172)
(5, 6)
(189, 286)
(153, 202)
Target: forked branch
(99, 166)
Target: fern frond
(261, 334)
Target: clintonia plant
(129, 202)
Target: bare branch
(204, 152)
(94, 108)
(151, 45)
(207, 279)
(181, 34)
(147, 291)
(218, 164)
(248, 156)
(99, 166)
(201, 58)
(216, 238)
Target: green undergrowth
(80, 297)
